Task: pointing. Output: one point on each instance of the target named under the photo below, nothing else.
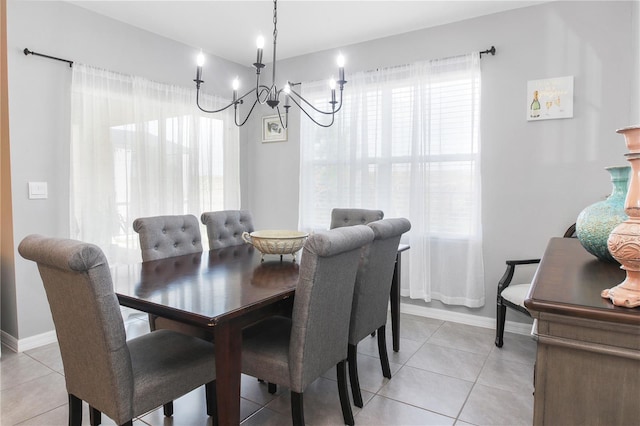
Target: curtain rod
(492, 51)
(31, 52)
(26, 51)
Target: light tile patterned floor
(445, 374)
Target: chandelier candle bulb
(199, 63)
(332, 86)
(341, 69)
(235, 85)
(287, 90)
(260, 44)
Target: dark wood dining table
(223, 291)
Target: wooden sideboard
(588, 359)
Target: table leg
(228, 342)
(395, 304)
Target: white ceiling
(229, 28)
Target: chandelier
(271, 95)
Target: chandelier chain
(275, 21)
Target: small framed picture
(272, 129)
(550, 98)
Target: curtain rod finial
(492, 51)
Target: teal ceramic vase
(595, 223)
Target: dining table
(223, 291)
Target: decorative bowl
(276, 241)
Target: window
(407, 142)
(141, 148)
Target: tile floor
(444, 374)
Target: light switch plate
(38, 190)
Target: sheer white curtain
(407, 141)
(142, 148)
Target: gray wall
(39, 115)
(537, 176)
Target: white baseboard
(468, 319)
(21, 345)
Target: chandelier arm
(310, 117)
(239, 100)
(340, 104)
(284, 124)
(261, 91)
(235, 115)
(313, 107)
(212, 111)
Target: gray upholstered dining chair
(170, 236)
(348, 217)
(371, 295)
(295, 351)
(225, 227)
(122, 379)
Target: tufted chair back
(350, 217)
(168, 236)
(225, 227)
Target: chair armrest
(522, 262)
(511, 269)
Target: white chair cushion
(516, 293)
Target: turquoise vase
(595, 223)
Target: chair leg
(168, 409)
(501, 313)
(210, 394)
(129, 423)
(95, 416)
(152, 322)
(382, 351)
(352, 358)
(347, 414)
(75, 411)
(272, 388)
(297, 409)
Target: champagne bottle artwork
(550, 98)
(535, 105)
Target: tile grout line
(404, 364)
(471, 389)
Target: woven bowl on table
(279, 242)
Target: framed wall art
(272, 129)
(550, 98)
